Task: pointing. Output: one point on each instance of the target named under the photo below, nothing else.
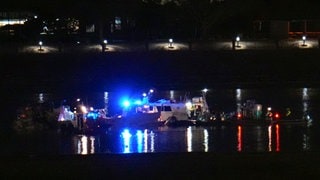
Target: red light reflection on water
(277, 138)
(274, 142)
(239, 135)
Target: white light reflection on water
(152, 141)
(189, 139)
(270, 138)
(85, 145)
(145, 135)
(206, 140)
(197, 139)
(92, 139)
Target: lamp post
(105, 42)
(238, 41)
(304, 40)
(40, 45)
(170, 43)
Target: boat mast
(205, 104)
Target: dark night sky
(67, 7)
(298, 6)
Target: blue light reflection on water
(233, 138)
(257, 138)
(126, 136)
(137, 141)
(123, 141)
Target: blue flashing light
(126, 103)
(93, 115)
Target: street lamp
(105, 42)
(170, 43)
(104, 45)
(304, 40)
(40, 45)
(238, 41)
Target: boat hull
(142, 120)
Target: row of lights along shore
(171, 46)
(104, 44)
(304, 38)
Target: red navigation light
(239, 115)
(277, 116)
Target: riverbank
(52, 46)
(302, 165)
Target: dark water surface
(220, 139)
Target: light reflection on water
(257, 138)
(231, 138)
(85, 144)
(239, 136)
(273, 138)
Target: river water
(288, 137)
